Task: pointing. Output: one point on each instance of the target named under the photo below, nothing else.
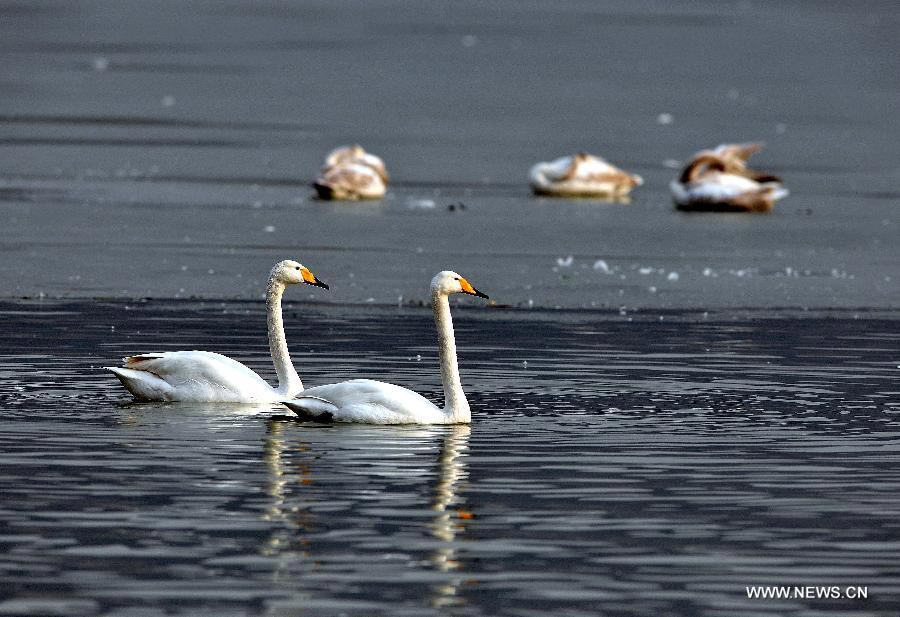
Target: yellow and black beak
(310, 279)
(468, 289)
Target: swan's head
(449, 282)
(290, 272)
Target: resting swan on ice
(376, 402)
(582, 175)
(351, 173)
(206, 377)
(719, 180)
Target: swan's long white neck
(455, 404)
(289, 383)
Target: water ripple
(625, 468)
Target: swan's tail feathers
(312, 408)
(778, 192)
(144, 386)
(134, 361)
(679, 193)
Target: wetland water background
(715, 407)
(628, 468)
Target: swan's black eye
(455, 278)
(297, 268)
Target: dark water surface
(613, 467)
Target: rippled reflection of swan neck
(451, 471)
(448, 523)
(203, 376)
(377, 402)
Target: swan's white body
(371, 402)
(350, 173)
(203, 376)
(719, 187)
(581, 175)
(720, 180)
(377, 402)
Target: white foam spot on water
(601, 265)
(100, 64)
(565, 262)
(671, 164)
(420, 204)
(665, 118)
(168, 101)
(469, 40)
(673, 276)
(269, 228)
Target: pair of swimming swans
(203, 376)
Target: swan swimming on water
(203, 376)
(719, 180)
(376, 402)
(350, 172)
(582, 175)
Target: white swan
(581, 175)
(349, 181)
(719, 180)
(376, 402)
(350, 172)
(356, 154)
(203, 376)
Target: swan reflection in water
(451, 517)
(301, 465)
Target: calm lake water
(612, 467)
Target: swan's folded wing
(312, 407)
